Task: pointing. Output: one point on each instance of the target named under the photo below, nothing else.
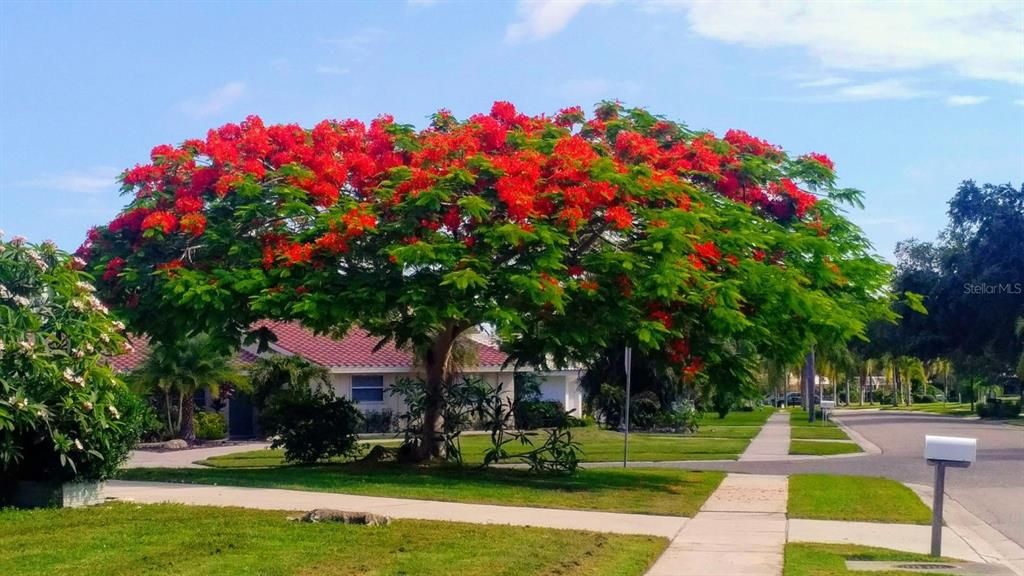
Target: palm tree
(183, 369)
(273, 373)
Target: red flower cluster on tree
(495, 181)
(821, 159)
(160, 220)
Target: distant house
(364, 375)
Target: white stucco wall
(342, 384)
(563, 387)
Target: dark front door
(240, 417)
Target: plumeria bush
(63, 413)
(567, 233)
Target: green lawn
(854, 498)
(650, 491)
(798, 417)
(818, 433)
(606, 446)
(725, 431)
(598, 446)
(951, 409)
(830, 559)
(124, 539)
(811, 448)
(756, 417)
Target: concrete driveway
(186, 458)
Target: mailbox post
(942, 452)
(827, 406)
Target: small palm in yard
(274, 373)
(176, 372)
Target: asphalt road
(992, 489)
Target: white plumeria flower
(128, 347)
(69, 375)
(118, 324)
(78, 354)
(1, 346)
(1, 232)
(4, 292)
(104, 338)
(113, 412)
(87, 406)
(85, 286)
(18, 240)
(89, 347)
(21, 301)
(78, 262)
(78, 444)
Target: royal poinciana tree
(566, 233)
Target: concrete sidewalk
(905, 537)
(274, 499)
(741, 529)
(772, 442)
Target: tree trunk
(809, 373)
(847, 378)
(167, 409)
(435, 362)
(187, 416)
(863, 381)
(895, 384)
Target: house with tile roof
(362, 372)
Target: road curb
(866, 445)
(989, 543)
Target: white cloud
(332, 70)
(216, 101)
(90, 181)
(823, 82)
(965, 100)
(982, 39)
(359, 44)
(539, 19)
(892, 89)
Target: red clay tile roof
(355, 350)
(135, 358)
(140, 350)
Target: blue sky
(908, 99)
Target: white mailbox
(956, 451)
(945, 452)
(828, 405)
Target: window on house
(367, 388)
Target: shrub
(467, 400)
(682, 418)
(377, 422)
(608, 405)
(584, 421)
(312, 425)
(211, 426)
(63, 413)
(997, 408)
(534, 414)
(643, 410)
